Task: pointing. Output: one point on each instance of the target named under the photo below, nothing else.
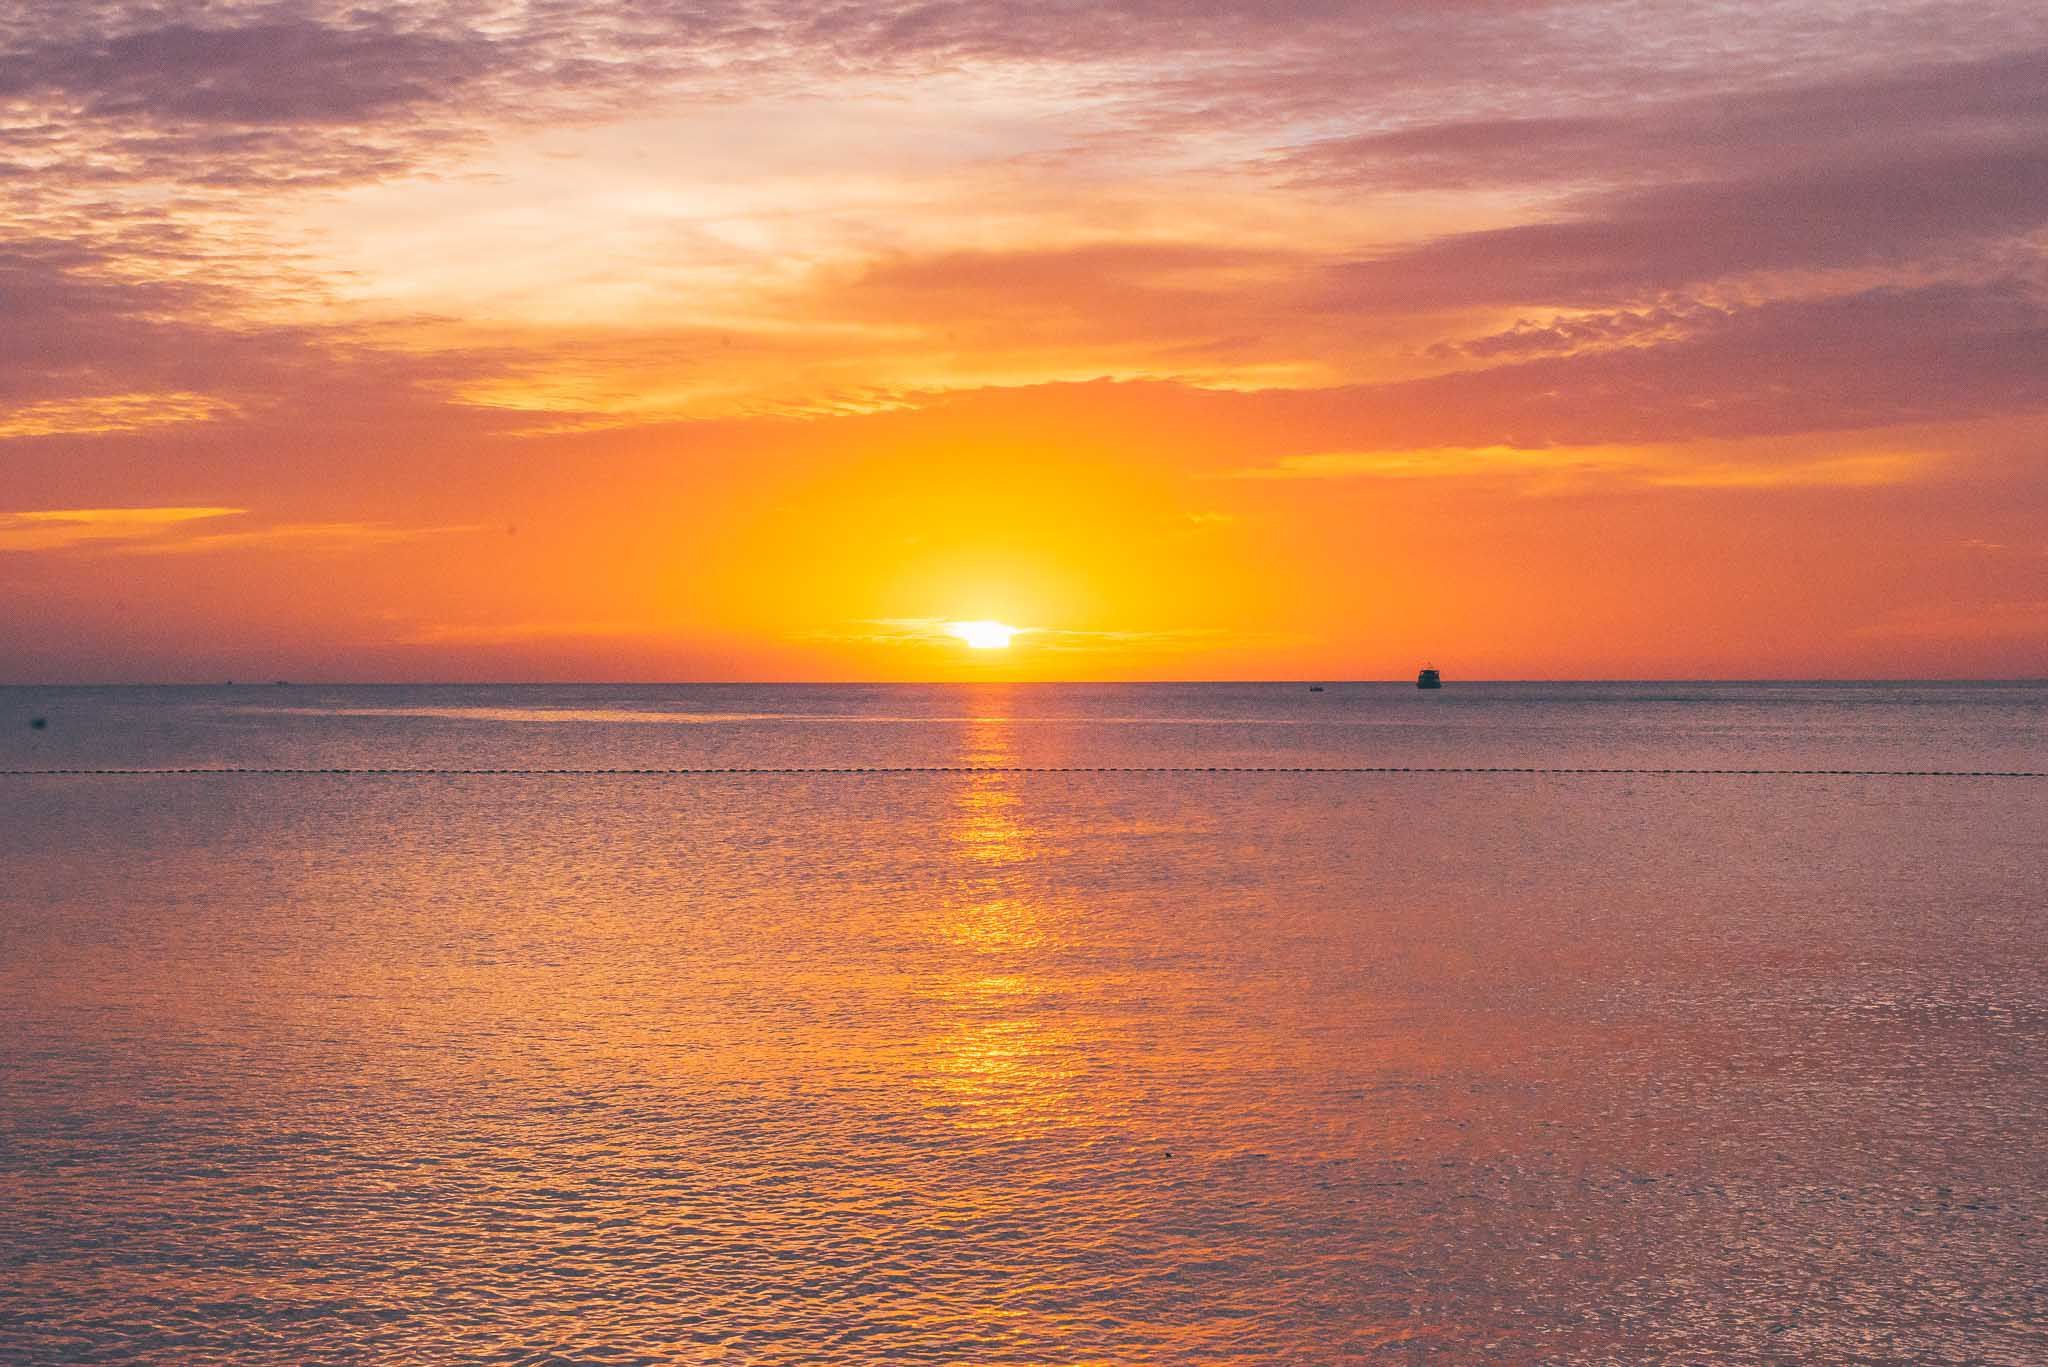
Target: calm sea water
(1014, 1067)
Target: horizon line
(1304, 681)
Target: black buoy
(38, 723)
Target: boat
(1429, 678)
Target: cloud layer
(363, 268)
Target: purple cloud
(275, 71)
(1984, 105)
(1625, 245)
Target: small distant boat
(1315, 688)
(1429, 678)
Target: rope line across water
(707, 772)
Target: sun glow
(983, 635)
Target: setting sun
(983, 635)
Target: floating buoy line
(883, 770)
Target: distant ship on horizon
(1429, 678)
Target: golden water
(1010, 1067)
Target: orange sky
(597, 341)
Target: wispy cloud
(1558, 469)
(189, 531)
(924, 631)
(297, 536)
(1163, 639)
(111, 413)
(51, 529)
(1867, 470)
(1977, 545)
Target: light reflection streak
(1002, 1059)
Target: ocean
(1024, 1024)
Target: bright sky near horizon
(594, 339)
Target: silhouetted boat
(1429, 678)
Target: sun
(983, 635)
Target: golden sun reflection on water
(1005, 924)
(1004, 1059)
(985, 828)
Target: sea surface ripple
(1022, 1067)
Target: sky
(678, 340)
